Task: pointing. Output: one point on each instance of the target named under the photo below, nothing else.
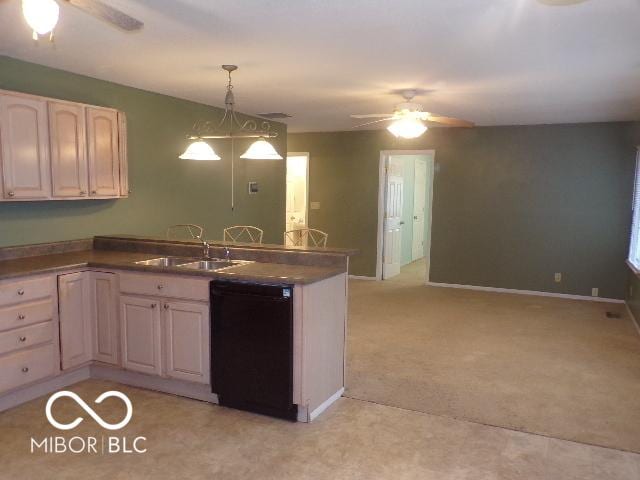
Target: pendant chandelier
(230, 127)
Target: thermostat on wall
(253, 188)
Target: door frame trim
(382, 179)
(308, 157)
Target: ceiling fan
(42, 15)
(408, 118)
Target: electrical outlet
(558, 277)
(315, 205)
(594, 292)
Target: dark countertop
(115, 260)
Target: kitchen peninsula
(136, 310)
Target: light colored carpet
(536, 364)
(352, 440)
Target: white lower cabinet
(106, 328)
(141, 334)
(75, 307)
(187, 341)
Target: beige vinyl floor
(550, 366)
(352, 440)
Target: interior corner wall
(511, 205)
(165, 190)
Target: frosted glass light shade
(407, 128)
(199, 150)
(261, 150)
(41, 15)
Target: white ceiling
(494, 62)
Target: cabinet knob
(160, 286)
(23, 339)
(21, 316)
(93, 192)
(166, 306)
(25, 369)
(11, 194)
(153, 305)
(82, 192)
(21, 292)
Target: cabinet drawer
(24, 290)
(27, 366)
(26, 337)
(24, 314)
(165, 286)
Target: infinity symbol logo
(89, 410)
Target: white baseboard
(633, 317)
(361, 277)
(31, 392)
(198, 391)
(326, 404)
(526, 292)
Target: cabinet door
(25, 148)
(141, 336)
(104, 157)
(105, 317)
(69, 168)
(75, 318)
(187, 341)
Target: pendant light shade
(41, 15)
(199, 150)
(261, 150)
(407, 128)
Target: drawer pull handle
(21, 292)
(25, 369)
(166, 306)
(153, 305)
(160, 287)
(23, 339)
(11, 194)
(21, 316)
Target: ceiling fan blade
(109, 14)
(372, 115)
(452, 122)
(375, 121)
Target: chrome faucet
(227, 254)
(206, 248)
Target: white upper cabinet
(104, 155)
(69, 172)
(59, 150)
(25, 148)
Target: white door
(392, 240)
(75, 319)
(105, 317)
(419, 208)
(297, 191)
(103, 151)
(187, 341)
(69, 168)
(141, 334)
(25, 148)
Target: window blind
(634, 244)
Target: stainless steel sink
(165, 261)
(214, 264)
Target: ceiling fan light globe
(407, 128)
(41, 15)
(261, 150)
(199, 150)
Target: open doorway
(404, 213)
(297, 210)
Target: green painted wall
(512, 205)
(166, 190)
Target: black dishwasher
(252, 347)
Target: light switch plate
(315, 205)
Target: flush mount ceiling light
(41, 15)
(407, 128)
(199, 150)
